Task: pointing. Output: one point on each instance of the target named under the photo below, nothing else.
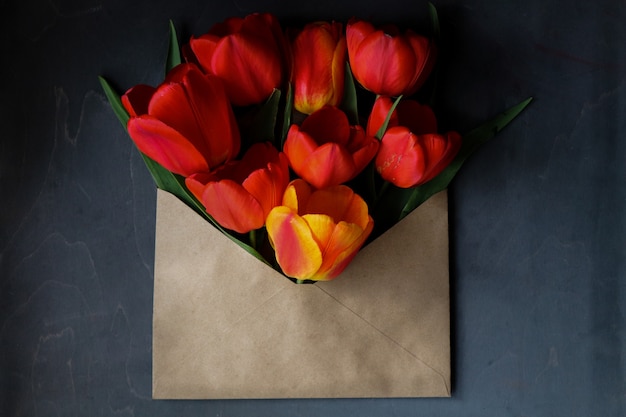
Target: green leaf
(260, 123)
(286, 116)
(383, 127)
(114, 101)
(434, 20)
(349, 103)
(471, 142)
(173, 53)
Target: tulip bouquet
(299, 145)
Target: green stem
(253, 238)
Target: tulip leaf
(471, 142)
(349, 103)
(287, 116)
(434, 20)
(383, 127)
(114, 101)
(173, 53)
(259, 124)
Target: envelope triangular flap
(227, 326)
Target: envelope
(226, 326)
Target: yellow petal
(296, 250)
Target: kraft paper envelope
(227, 326)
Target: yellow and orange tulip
(316, 233)
(319, 55)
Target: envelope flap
(400, 284)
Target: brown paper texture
(227, 326)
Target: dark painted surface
(538, 215)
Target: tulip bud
(319, 54)
(325, 150)
(186, 124)
(387, 62)
(408, 160)
(247, 53)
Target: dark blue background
(537, 216)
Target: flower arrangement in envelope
(300, 156)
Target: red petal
(250, 68)
(203, 49)
(232, 206)
(166, 146)
(328, 124)
(298, 147)
(399, 160)
(136, 100)
(420, 119)
(329, 165)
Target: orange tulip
(419, 118)
(247, 53)
(239, 195)
(319, 55)
(186, 124)
(316, 234)
(387, 62)
(407, 160)
(325, 150)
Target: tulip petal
(342, 246)
(203, 49)
(387, 64)
(399, 160)
(419, 118)
(232, 206)
(322, 227)
(136, 100)
(329, 124)
(362, 147)
(329, 165)
(356, 31)
(200, 111)
(297, 195)
(379, 113)
(166, 146)
(268, 185)
(340, 203)
(296, 251)
(249, 67)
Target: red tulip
(319, 55)
(316, 234)
(419, 118)
(247, 53)
(325, 150)
(186, 124)
(387, 62)
(240, 194)
(407, 160)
